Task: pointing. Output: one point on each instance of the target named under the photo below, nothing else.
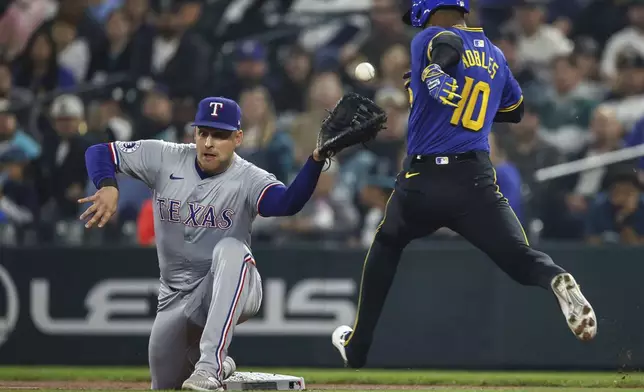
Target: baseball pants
(460, 193)
(194, 330)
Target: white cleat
(339, 337)
(229, 367)
(580, 316)
(201, 381)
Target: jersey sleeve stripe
(249, 259)
(230, 318)
(511, 108)
(115, 156)
(261, 195)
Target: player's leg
(490, 224)
(393, 234)
(231, 293)
(170, 344)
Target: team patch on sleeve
(128, 147)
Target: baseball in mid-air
(365, 72)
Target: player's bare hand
(104, 203)
(316, 156)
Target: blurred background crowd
(78, 72)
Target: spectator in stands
(600, 19)
(629, 39)
(627, 95)
(102, 9)
(138, 15)
(507, 177)
(155, 121)
(387, 29)
(18, 98)
(529, 152)
(61, 173)
(19, 21)
(395, 62)
(18, 201)
(107, 121)
(264, 145)
(38, 69)
(526, 77)
(324, 92)
(586, 56)
(617, 216)
(72, 50)
(290, 96)
(566, 108)
(606, 136)
(116, 56)
(250, 69)
(173, 57)
(12, 137)
(390, 143)
(539, 43)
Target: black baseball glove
(354, 119)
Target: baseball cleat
(229, 367)
(580, 316)
(202, 381)
(338, 338)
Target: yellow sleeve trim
(429, 46)
(511, 108)
(478, 29)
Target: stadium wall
(449, 308)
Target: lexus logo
(8, 290)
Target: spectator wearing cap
(61, 173)
(617, 216)
(173, 56)
(566, 106)
(250, 69)
(539, 43)
(631, 38)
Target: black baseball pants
(454, 191)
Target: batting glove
(442, 87)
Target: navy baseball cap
(219, 113)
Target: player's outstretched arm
(279, 200)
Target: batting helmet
(421, 10)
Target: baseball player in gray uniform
(206, 199)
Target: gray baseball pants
(193, 330)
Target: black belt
(443, 159)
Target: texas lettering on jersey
(197, 215)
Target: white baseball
(365, 72)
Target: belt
(443, 159)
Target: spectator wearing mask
(290, 97)
(630, 39)
(617, 216)
(116, 56)
(38, 70)
(566, 108)
(508, 178)
(173, 57)
(250, 69)
(61, 173)
(627, 95)
(539, 43)
(264, 145)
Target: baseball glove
(354, 119)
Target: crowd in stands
(78, 72)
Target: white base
(248, 381)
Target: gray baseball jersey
(192, 214)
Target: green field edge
(349, 376)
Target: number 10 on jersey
(465, 110)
